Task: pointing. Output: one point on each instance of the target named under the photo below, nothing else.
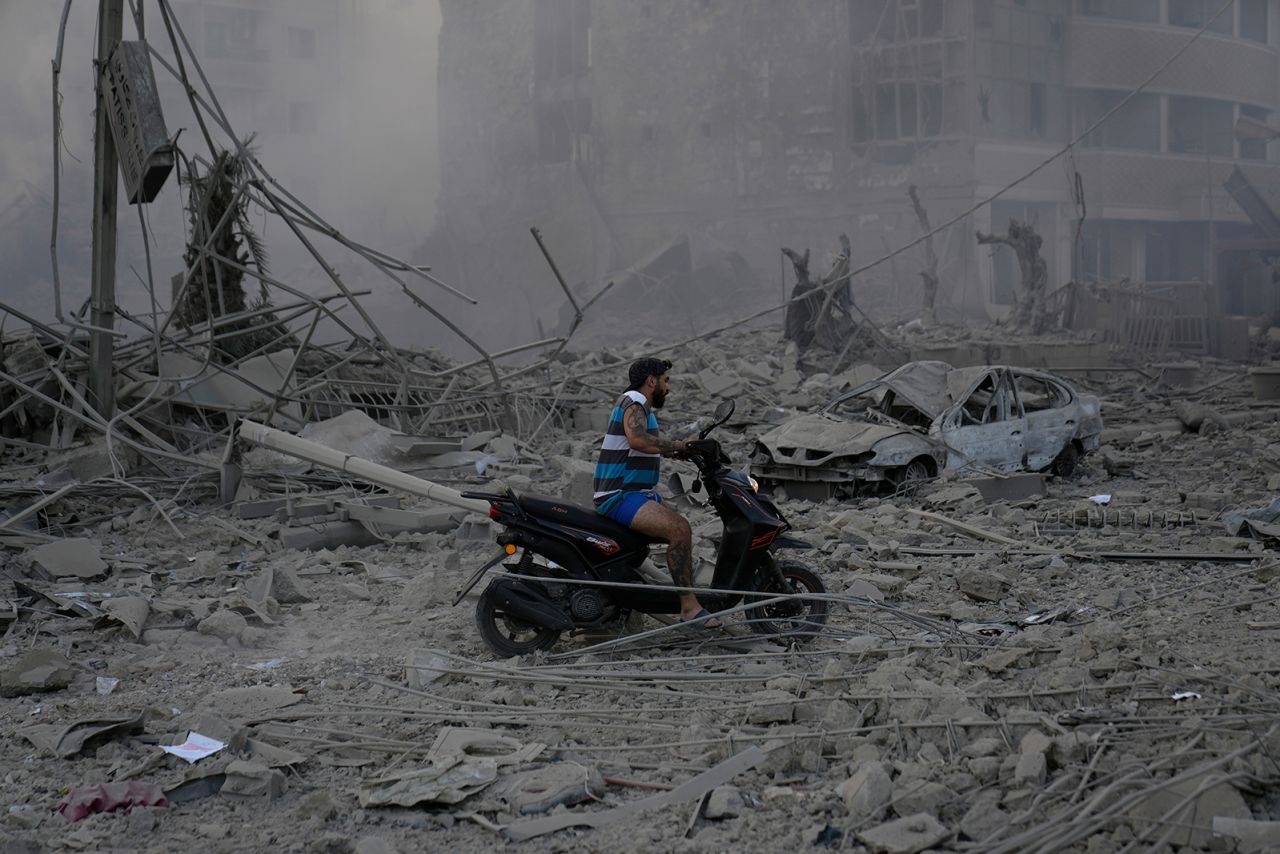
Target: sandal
(703, 620)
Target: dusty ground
(928, 694)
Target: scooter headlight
(755, 485)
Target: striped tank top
(621, 468)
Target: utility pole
(102, 298)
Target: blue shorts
(622, 508)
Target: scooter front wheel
(801, 617)
(508, 636)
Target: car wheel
(1064, 465)
(911, 475)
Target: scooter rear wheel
(802, 618)
(508, 636)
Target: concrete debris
(74, 558)
(38, 671)
(421, 668)
(1032, 769)
(981, 586)
(128, 611)
(867, 792)
(67, 740)
(224, 624)
(539, 791)
(1193, 805)
(1251, 837)
(905, 835)
(724, 802)
(448, 780)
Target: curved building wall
(1104, 54)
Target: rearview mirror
(722, 413)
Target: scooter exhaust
(528, 602)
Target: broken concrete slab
(984, 818)
(37, 671)
(374, 845)
(1195, 817)
(251, 780)
(772, 707)
(253, 703)
(129, 611)
(1251, 837)
(718, 384)
(724, 802)
(1014, 487)
(687, 791)
(66, 740)
(905, 835)
(500, 749)
(277, 582)
(224, 624)
(867, 792)
(70, 558)
(564, 783)
(447, 780)
(980, 585)
(1032, 769)
(914, 796)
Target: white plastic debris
(1185, 695)
(196, 747)
(107, 684)
(1100, 499)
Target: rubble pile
(250, 651)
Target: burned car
(924, 417)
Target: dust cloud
(338, 94)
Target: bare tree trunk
(1028, 310)
(930, 273)
(798, 323)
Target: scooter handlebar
(705, 453)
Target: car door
(985, 430)
(1050, 418)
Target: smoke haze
(340, 95)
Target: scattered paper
(1100, 499)
(196, 747)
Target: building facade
(741, 126)
(274, 67)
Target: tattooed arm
(636, 423)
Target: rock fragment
(981, 586)
(905, 835)
(223, 624)
(867, 792)
(724, 802)
(37, 671)
(1032, 769)
(1196, 813)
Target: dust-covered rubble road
(1062, 693)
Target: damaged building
(764, 121)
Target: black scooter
(560, 542)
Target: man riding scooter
(627, 473)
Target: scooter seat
(567, 513)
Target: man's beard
(659, 398)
